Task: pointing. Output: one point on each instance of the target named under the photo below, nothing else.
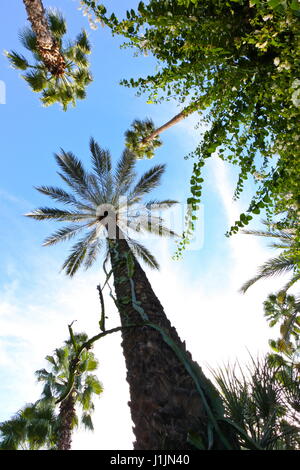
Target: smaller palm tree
(35, 426)
(287, 261)
(42, 424)
(85, 386)
(64, 83)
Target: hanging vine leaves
(239, 60)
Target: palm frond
(28, 40)
(57, 194)
(101, 159)
(47, 213)
(155, 226)
(63, 234)
(284, 235)
(272, 267)
(149, 181)
(78, 254)
(36, 79)
(124, 173)
(72, 167)
(17, 61)
(92, 253)
(57, 23)
(86, 420)
(83, 43)
(140, 251)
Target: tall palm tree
(60, 71)
(287, 261)
(49, 422)
(170, 396)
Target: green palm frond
(155, 226)
(125, 174)
(280, 234)
(101, 159)
(47, 213)
(87, 422)
(272, 267)
(92, 253)
(28, 39)
(60, 195)
(149, 181)
(57, 23)
(78, 253)
(36, 80)
(17, 61)
(83, 43)
(140, 251)
(63, 234)
(72, 167)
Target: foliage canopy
(237, 63)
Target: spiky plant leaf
(149, 181)
(80, 58)
(86, 420)
(83, 43)
(17, 61)
(28, 40)
(57, 23)
(36, 79)
(142, 252)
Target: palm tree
(287, 261)
(285, 310)
(32, 428)
(264, 403)
(42, 424)
(85, 386)
(60, 72)
(170, 396)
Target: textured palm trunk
(179, 117)
(66, 417)
(165, 404)
(47, 46)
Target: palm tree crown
(105, 204)
(66, 84)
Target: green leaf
(17, 61)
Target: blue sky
(199, 292)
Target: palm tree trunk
(66, 417)
(179, 117)
(165, 404)
(47, 46)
